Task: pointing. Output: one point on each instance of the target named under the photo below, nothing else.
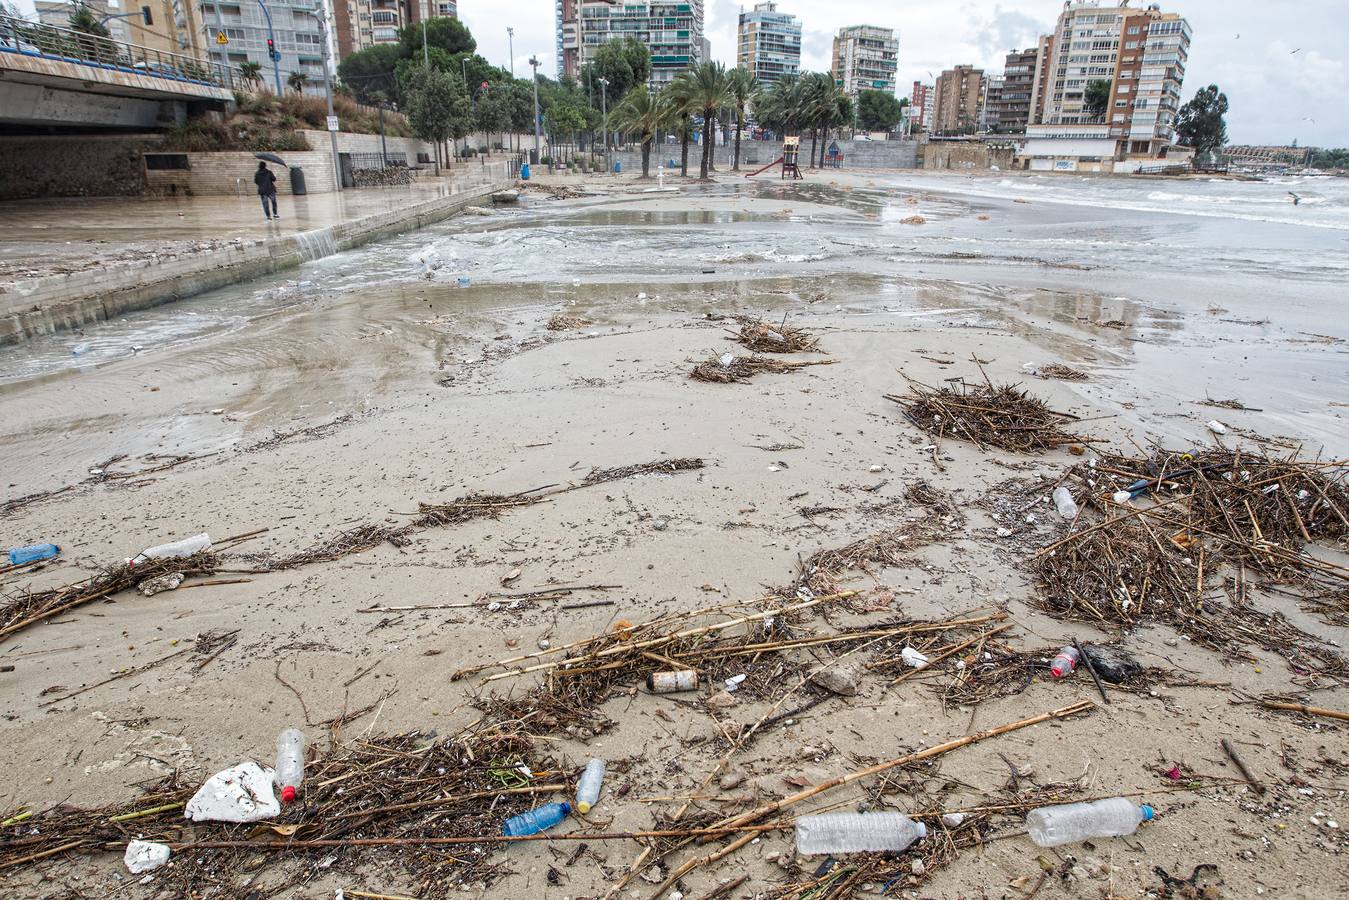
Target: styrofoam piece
(242, 793)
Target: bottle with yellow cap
(588, 788)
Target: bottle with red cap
(1065, 662)
(289, 763)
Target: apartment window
(1134, 30)
(1131, 45)
(386, 34)
(1121, 104)
(1123, 89)
(1119, 117)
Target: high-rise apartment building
(671, 29)
(1139, 53)
(360, 24)
(959, 95)
(769, 43)
(295, 28)
(1009, 104)
(922, 99)
(866, 58)
(174, 27)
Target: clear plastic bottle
(1054, 826)
(1063, 501)
(1065, 662)
(184, 548)
(588, 788)
(20, 555)
(289, 762)
(541, 818)
(856, 833)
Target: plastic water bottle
(588, 788)
(20, 555)
(1053, 826)
(1065, 662)
(289, 762)
(184, 548)
(1063, 499)
(856, 833)
(541, 818)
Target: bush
(545, 160)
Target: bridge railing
(67, 45)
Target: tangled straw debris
(729, 368)
(1002, 416)
(567, 323)
(764, 337)
(1062, 372)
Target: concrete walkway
(62, 236)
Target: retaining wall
(62, 302)
(62, 166)
(753, 154)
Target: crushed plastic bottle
(184, 548)
(913, 658)
(1217, 427)
(541, 818)
(79, 350)
(1065, 662)
(289, 762)
(588, 788)
(856, 833)
(1071, 823)
(1064, 503)
(19, 556)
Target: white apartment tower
(671, 29)
(865, 59)
(769, 43)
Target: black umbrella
(272, 157)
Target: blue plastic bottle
(540, 818)
(20, 555)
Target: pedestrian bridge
(51, 76)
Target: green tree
(646, 114)
(84, 20)
(436, 106)
(626, 63)
(448, 34)
(492, 111)
(1201, 123)
(1330, 158)
(741, 86)
(878, 111)
(1096, 97)
(251, 73)
(297, 81)
(709, 93)
(370, 70)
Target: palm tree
(832, 107)
(646, 114)
(251, 73)
(680, 97)
(741, 86)
(709, 94)
(818, 102)
(297, 81)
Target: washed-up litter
(181, 549)
(834, 833)
(588, 787)
(567, 323)
(160, 583)
(1061, 372)
(1002, 416)
(241, 793)
(1072, 823)
(764, 337)
(145, 856)
(289, 772)
(21, 556)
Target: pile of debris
(1003, 416)
(567, 323)
(764, 337)
(729, 368)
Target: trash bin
(297, 181)
(524, 172)
(534, 157)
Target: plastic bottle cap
(566, 809)
(1147, 812)
(583, 807)
(288, 794)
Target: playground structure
(789, 160)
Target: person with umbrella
(266, 183)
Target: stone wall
(753, 154)
(232, 173)
(69, 166)
(966, 155)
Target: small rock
(720, 700)
(918, 868)
(874, 469)
(660, 524)
(731, 780)
(841, 680)
(951, 820)
(544, 643)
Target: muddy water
(1166, 307)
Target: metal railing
(67, 45)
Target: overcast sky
(1282, 65)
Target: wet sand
(450, 390)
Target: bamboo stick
(1308, 710)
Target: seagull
(1298, 50)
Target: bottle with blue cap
(1072, 823)
(538, 819)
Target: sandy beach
(422, 369)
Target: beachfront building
(866, 58)
(769, 43)
(360, 24)
(1008, 109)
(671, 29)
(957, 100)
(174, 27)
(1140, 53)
(299, 39)
(921, 100)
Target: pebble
(544, 643)
(731, 780)
(874, 469)
(660, 524)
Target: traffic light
(271, 49)
(145, 14)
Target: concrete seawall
(61, 302)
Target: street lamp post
(534, 62)
(321, 13)
(604, 111)
(510, 38)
